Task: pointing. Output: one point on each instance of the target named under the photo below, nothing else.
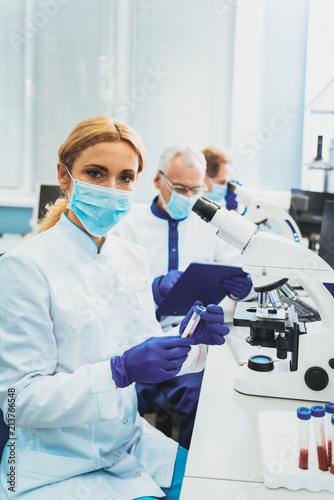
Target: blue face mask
(179, 206)
(98, 208)
(218, 192)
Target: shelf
(323, 103)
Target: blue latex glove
(231, 199)
(153, 361)
(210, 329)
(168, 281)
(238, 286)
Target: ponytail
(53, 214)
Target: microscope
(304, 364)
(266, 215)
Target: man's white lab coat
(196, 241)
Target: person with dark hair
(217, 175)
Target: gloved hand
(153, 361)
(168, 281)
(210, 329)
(238, 286)
(231, 199)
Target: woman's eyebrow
(105, 169)
(128, 170)
(96, 165)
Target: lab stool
(162, 416)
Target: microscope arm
(260, 210)
(270, 258)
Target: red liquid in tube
(329, 452)
(303, 459)
(322, 458)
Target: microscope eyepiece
(205, 208)
(232, 186)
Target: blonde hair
(214, 157)
(85, 134)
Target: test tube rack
(279, 450)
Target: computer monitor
(306, 208)
(326, 242)
(316, 199)
(46, 194)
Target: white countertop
(224, 459)
(215, 489)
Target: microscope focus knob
(316, 378)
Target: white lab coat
(64, 311)
(197, 242)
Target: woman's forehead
(109, 154)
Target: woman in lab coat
(78, 329)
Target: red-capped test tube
(193, 322)
(332, 434)
(329, 407)
(318, 412)
(304, 415)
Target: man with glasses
(174, 237)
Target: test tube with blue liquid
(318, 412)
(193, 322)
(304, 414)
(329, 407)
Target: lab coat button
(138, 474)
(125, 421)
(120, 343)
(118, 454)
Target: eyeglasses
(183, 189)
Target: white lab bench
(224, 457)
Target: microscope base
(279, 383)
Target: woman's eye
(126, 178)
(95, 174)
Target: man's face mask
(179, 206)
(98, 208)
(217, 193)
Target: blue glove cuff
(233, 297)
(158, 298)
(246, 294)
(119, 371)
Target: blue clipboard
(198, 282)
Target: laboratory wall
(224, 72)
(268, 93)
(319, 98)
